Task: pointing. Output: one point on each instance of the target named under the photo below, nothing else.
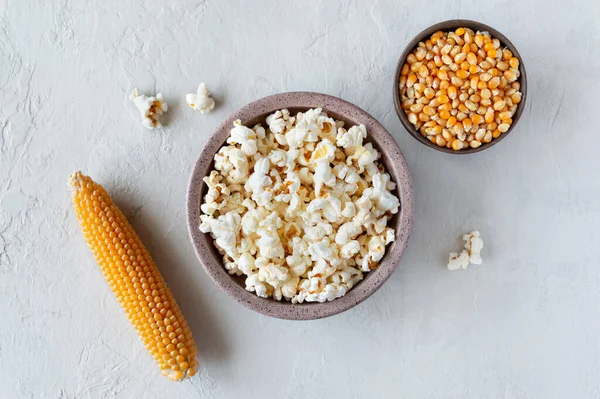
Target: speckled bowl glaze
(393, 160)
(447, 26)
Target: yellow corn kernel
(444, 84)
(465, 66)
(459, 32)
(488, 137)
(447, 135)
(503, 127)
(505, 115)
(474, 82)
(412, 118)
(457, 145)
(514, 63)
(443, 75)
(411, 58)
(485, 77)
(462, 74)
(481, 84)
(502, 66)
(479, 40)
(492, 53)
(445, 107)
(475, 143)
(458, 128)
(488, 46)
(516, 97)
(468, 36)
(471, 58)
(442, 99)
(471, 106)
(510, 75)
(440, 141)
(489, 115)
(423, 71)
(473, 69)
(477, 119)
(494, 72)
(467, 124)
(444, 114)
(416, 107)
(492, 126)
(429, 92)
(405, 69)
(423, 117)
(451, 121)
(497, 133)
(498, 105)
(494, 83)
(420, 53)
(428, 110)
(507, 54)
(133, 277)
(452, 92)
(437, 129)
(485, 65)
(411, 80)
(462, 108)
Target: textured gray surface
(523, 325)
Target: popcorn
(474, 245)
(280, 121)
(244, 136)
(471, 253)
(458, 260)
(150, 108)
(201, 101)
(351, 138)
(300, 208)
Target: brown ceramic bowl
(451, 26)
(393, 160)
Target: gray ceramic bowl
(451, 26)
(393, 160)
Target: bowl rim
(446, 26)
(398, 170)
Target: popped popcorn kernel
(299, 207)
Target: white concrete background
(525, 324)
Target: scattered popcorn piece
(150, 108)
(458, 261)
(300, 208)
(201, 101)
(471, 253)
(474, 245)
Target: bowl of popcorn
(460, 87)
(300, 205)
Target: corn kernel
(496, 133)
(489, 115)
(462, 74)
(498, 105)
(494, 83)
(503, 127)
(459, 83)
(488, 137)
(457, 144)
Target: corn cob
(134, 278)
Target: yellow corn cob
(134, 278)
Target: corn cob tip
(74, 181)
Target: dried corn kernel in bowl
(460, 89)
